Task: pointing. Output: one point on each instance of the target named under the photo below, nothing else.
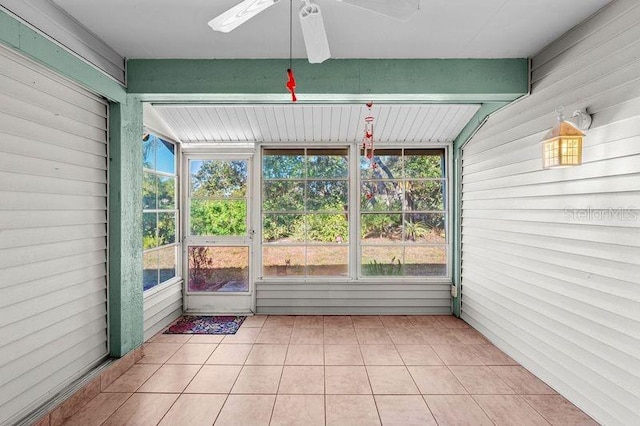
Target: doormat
(199, 324)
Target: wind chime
(368, 147)
(291, 79)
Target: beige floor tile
(214, 379)
(558, 411)
(258, 379)
(267, 355)
(309, 321)
(276, 321)
(456, 355)
(305, 355)
(426, 321)
(433, 380)
(438, 336)
(351, 410)
(366, 321)
(380, 355)
(170, 378)
(480, 380)
(254, 321)
(342, 355)
(340, 336)
(98, 409)
(133, 378)
(307, 336)
(449, 321)
(338, 321)
(403, 410)
(390, 380)
(346, 380)
(418, 355)
(298, 410)
(194, 410)
(275, 336)
(170, 338)
(396, 321)
(406, 336)
(373, 336)
(469, 336)
(158, 353)
(235, 354)
(246, 410)
(522, 381)
(206, 338)
(454, 410)
(490, 355)
(243, 335)
(192, 353)
(302, 380)
(509, 410)
(142, 409)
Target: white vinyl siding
(53, 234)
(551, 258)
(162, 305)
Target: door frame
(219, 302)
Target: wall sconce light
(562, 145)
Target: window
(305, 212)
(403, 213)
(160, 211)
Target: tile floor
(331, 370)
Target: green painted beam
(338, 80)
(125, 226)
(467, 132)
(25, 40)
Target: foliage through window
(403, 213)
(305, 212)
(160, 211)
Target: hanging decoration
(291, 79)
(368, 147)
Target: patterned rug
(206, 325)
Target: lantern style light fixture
(562, 145)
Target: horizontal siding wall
(551, 258)
(53, 234)
(161, 307)
(285, 298)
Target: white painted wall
(557, 291)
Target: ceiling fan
(313, 31)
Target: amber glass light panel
(562, 152)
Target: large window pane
(282, 195)
(166, 192)
(283, 228)
(424, 228)
(381, 195)
(149, 191)
(149, 230)
(423, 163)
(218, 179)
(327, 195)
(165, 156)
(425, 195)
(382, 261)
(388, 165)
(149, 152)
(327, 163)
(166, 228)
(149, 269)
(219, 269)
(283, 261)
(377, 228)
(218, 217)
(167, 263)
(426, 261)
(283, 164)
(327, 261)
(327, 228)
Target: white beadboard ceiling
(314, 123)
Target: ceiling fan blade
(239, 14)
(313, 32)
(401, 10)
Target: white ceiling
(314, 123)
(441, 28)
